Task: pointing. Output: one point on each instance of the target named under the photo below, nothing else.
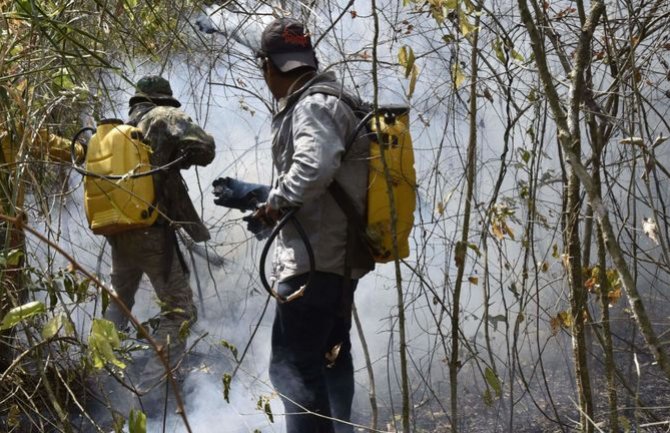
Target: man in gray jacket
(154, 251)
(311, 363)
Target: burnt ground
(549, 405)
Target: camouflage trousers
(153, 251)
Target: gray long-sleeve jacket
(309, 138)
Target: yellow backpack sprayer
(119, 192)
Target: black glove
(257, 227)
(239, 195)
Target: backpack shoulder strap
(329, 90)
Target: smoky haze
(516, 360)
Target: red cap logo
(293, 38)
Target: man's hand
(267, 215)
(262, 220)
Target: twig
(19, 223)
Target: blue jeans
(304, 331)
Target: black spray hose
(266, 248)
(84, 172)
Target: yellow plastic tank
(396, 149)
(114, 198)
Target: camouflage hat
(154, 89)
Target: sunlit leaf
(561, 320)
(457, 75)
(406, 59)
(102, 342)
(591, 284)
(497, 230)
(497, 48)
(464, 24)
(508, 230)
(613, 296)
(137, 422)
(11, 258)
(63, 79)
(55, 324)
(23, 312)
(517, 56)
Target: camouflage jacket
(173, 134)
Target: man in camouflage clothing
(154, 251)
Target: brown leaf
(613, 296)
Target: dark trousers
(313, 387)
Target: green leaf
(475, 248)
(184, 330)
(488, 399)
(448, 39)
(63, 79)
(18, 314)
(230, 347)
(227, 379)
(498, 49)
(58, 322)
(137, 422)
(263, 404)
(11, 258)
(493, 381)
(101, 344)
(23, 7)
(517, 56)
